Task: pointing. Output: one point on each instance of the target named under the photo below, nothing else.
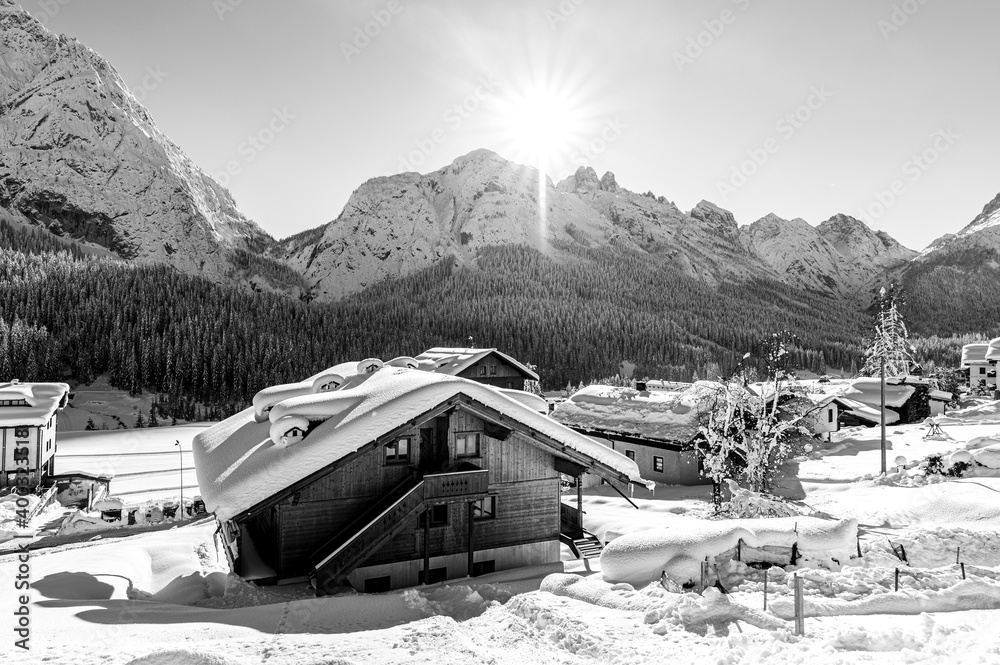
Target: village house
(993, 358)
(654, 428)
(488, 366)
(385, 476)
(908, 399)
(28, 431)
(979, 367)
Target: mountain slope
(80, 156)
(954, 284)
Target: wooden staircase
(360, 539)
(348, 549)
(581, 542)
(587, 547)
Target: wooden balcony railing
(459, 483)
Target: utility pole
(882, 414)
(180, 454)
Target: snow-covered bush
(746, 503)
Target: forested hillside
(154, 328)
(955, 293)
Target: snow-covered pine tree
(892, 339)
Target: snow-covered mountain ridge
(399, 224)
(81, 156)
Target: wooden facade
(666, 463)
(493, 370)
(471, 484)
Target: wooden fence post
(800, 628)
(765, 589)
(897, 579)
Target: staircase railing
(352, 527)
(349, 554)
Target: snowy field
(165, 597)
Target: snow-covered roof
(40, 401)
(941, 395)
(864, 412)
(993, 353)
(664, 416)
(974, 354)
(867, 390)
(454, 361)
(248, 457)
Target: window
(398, 452)
(467, 444)
(20, 432)
(483, 567)
(982, 370)
(493, 370)
(378, 584)
(657, 464)
(437, 514)
(482, 370)
(630, 454)
(20, 454)
(434, 575)
(485, 509)
(829, 415)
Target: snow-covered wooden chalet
(655, 428)
(488, 366)
(28, 431)
(387, 476)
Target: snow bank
(239, 464)
(966, 595)
(179, 566)
(679, 550)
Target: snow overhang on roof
(454, 361)
(864, 412)
(868, 391)
(659, 416)
(993, 352)
(974, 354)
(250, 457)
(42, 399)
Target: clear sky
(886, 110)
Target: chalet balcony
(463, 481)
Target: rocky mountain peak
(80, 156)
(608, 183)
(988, 218)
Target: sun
(542, 126)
